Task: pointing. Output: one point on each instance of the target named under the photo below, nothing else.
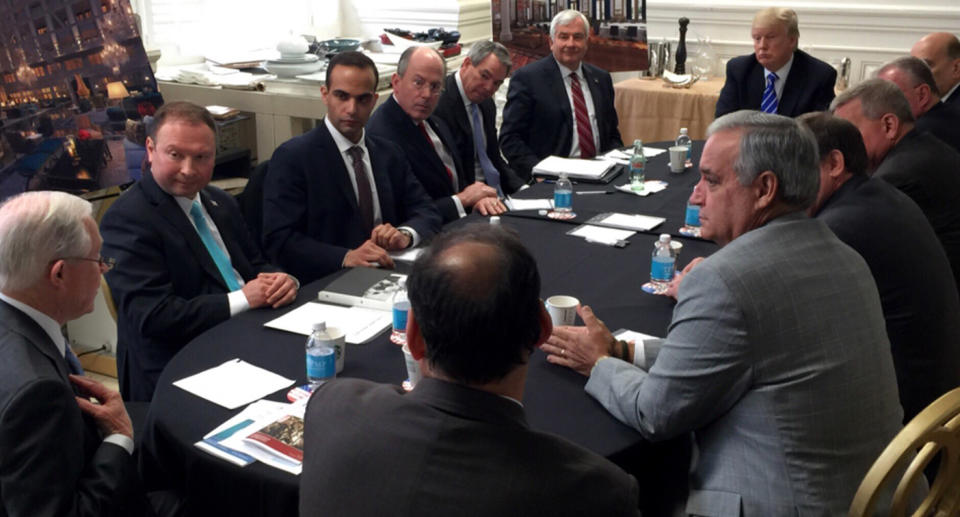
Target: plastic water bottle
(321, 357)
(638, 163)
(401, 308)
(664, 261)
(563, 194)
(684, 140)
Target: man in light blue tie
(185, 261)
(468, 109)
(778, 77)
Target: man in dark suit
(405, 119)
(60, 455)
(918, 164)
(777, 77)
(941, 52)
(185, 259)
(467, 107)
(915, 80)
(549, 112)
(459, 443)
(922, 311)
(336, 197)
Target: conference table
(652, 111)
(605, 277)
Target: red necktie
(430, 141)
(364, 194)
(584, 131)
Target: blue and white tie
(490, 173)
(768, 104)
(219, 257)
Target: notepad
(233, 383)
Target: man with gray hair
(915, 80)
(776, 359)
(60, 454)
(918, 164)
(406, 120)
(778, 77)
(559, 105)
(468, 109)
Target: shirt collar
(952, 92)
(463, 94)
(186, 203)
(51, 327)
(564, 71)
(344, 143)
(782, 72)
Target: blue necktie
(490, 173)
(72, 362)
(768, 104)
(219, 257)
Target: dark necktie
(768, 104)
(72, 362)
(490, 173)
(584, 131)
(430, 141)
(364, 194)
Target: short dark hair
(181, 110)
(356, 60)
(833, 132)
(480, 318)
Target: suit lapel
(755, 85)
(791, 92)
(20, 323)
(447, 140)
(382, 181)
(338, 169)
(168, 208)
(221, 218)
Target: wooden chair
(934, 430)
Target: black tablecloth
(604, 277)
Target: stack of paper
(360, 324)
(231, 440)
(575, 168)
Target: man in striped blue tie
(185, 260)
(777, 77)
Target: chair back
(251, 201)
(934, 430)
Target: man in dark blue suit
(548, 110)
(941, 52)
(777, 77)
(335, 197)
(883, 225)
(915, 80)
(185, 259)
(406, 119)
(470, 113)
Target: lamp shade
(116, 90)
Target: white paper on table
(360, 324)
(639, 352)
(649, 187)
(621, 156)
(263, 413)
(233, 383)
(632, 221)
(601, 234)
(574, 167)
(408, 255)
(529, 204)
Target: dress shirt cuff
(238, 302)
(415, 237)
(457, 203)
(525, 186)
(639, 354)
(645, 352)
(295, 280)
(122, 440)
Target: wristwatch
(408, 234)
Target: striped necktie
(768, 104)
(584, 131)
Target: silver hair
(481, 49)
(37, 228)
(778, 144)
(408, 54)
(565, 17)
(877, 98)
(916, 69)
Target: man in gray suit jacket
(776, 357)
(60, 454)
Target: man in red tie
(559, 105)
(406, 119)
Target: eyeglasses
(106, 264)
(433, 88)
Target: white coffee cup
(338, 342)
(562, 309)
(678, 158)
(413, 367)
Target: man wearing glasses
(185, 259)
(406, 119)
(60, 454)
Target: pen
(594, 192)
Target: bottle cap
(320, 325)
(664, 237)
(683, 131)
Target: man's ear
(546, 325)
(767, 184)
(418, 348)
(56, 274)
(891, 126)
